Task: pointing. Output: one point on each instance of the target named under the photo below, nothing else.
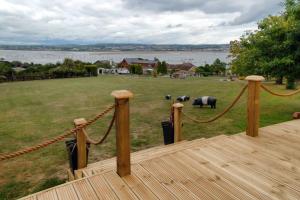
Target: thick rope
(91, 141)
(277, 94)
(7, 156)
(220, 114)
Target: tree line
(18, 71)
(160, 69)
(216, 68)
(273, 50)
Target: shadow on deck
(223, 167)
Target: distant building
(147, 65)
(113, 70)
(182, 70)
(182, 74)
(18, 69)
(123, 71)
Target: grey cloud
(130, 21)
(174, 26)
(211, 6)
(249, 10)
(258, 11)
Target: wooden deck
(223, 167)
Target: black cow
(206, 100)
(183, 98)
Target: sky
(130, 21)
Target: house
(147, 65)
(182, 70)
(123, 70)
(18, 69)
(182, 74)
(113, 70)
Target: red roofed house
(147, 65)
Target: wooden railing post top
(255, 78)
(177, 105)
(79, 121)
(122, 94)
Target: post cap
(122, 94)
(79, 121)
(255, 78)
(178, 105)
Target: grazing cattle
(183, 98)
(168, 97)
(206, 100)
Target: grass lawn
(33, 111)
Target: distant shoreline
(119, 48)
(118, 51)
(197, 57)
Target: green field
(33, 111)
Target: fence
(121, 119)
(253, 108)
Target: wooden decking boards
(223, 167)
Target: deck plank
(29, 198)
(176, 187)
(119, 186)
(48, 195)
(195, 172)
(273, 188)
(137, 157)
(201, 164)
(236, 167)
(272, 150)
(102, 188)
(207, 187)
(84, 190)
(139, 188)
(289, 175)
(156, 187)
(66, 192)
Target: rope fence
(277, 94)
(94, 142)
(6, 156)
(220, 114)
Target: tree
(139, 69)
(164, 69)
(159, 67)
(68, 63)
(136, 69)
(103, 64)
(132, 69)
(206, 70)
(272, 50)
(218, 66)
(6, 71)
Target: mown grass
(33, 111)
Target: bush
(291, 84)
(92, 70)
(136, 69)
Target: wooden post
(253, 105)
(81, 144)
(177, 122)
(122, 131)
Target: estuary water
(173, 57)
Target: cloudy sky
(130, 21)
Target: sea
(173, 57)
